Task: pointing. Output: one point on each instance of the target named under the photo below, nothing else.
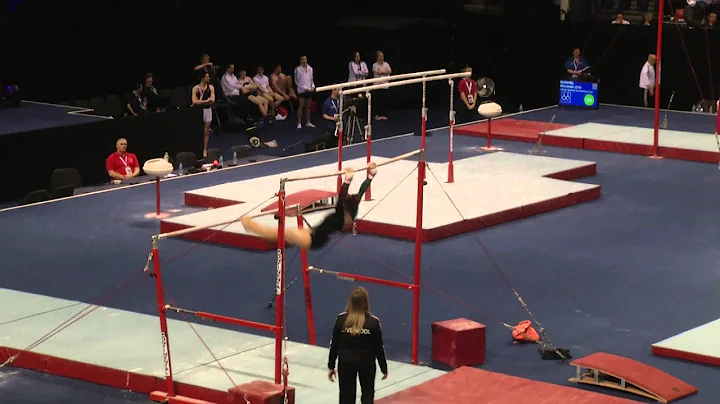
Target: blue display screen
(578, 94)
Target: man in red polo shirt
(122, 165)
(467, 87)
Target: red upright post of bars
(656, 128)
(423, 125)
(418, 256)
(163, 319)
(306, 280)
(340, 143)
(451, 169)
(280, 284)
(368, 136)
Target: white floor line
(54, 105)
(12, 208)
(652, 109)
(83, 113)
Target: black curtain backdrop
(85, 147)
(60, 51)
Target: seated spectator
(711, 21)
(576, 65)
(263, 84)
(282, 84)
(122, 165)
(648, 20)
(242, 92)
(358, 69)
(620, 20)
(155, 101)
(135, 103)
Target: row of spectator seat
(624, 6)
(114, 106)
(64, 181)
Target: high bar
(336, 173)
(404, 82)
(380, 79)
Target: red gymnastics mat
(470, 385)
(510, 129)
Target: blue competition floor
(614, 275)
(625, 116)
(34, 116)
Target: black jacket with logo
(366, 345)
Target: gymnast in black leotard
(341, 219)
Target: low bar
(392, 160)
(405, 82)
(224, 319)
(210, 226)
(380, 79)
(361, 278)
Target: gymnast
(341, 219)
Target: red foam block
(458, 342)
(261, 392)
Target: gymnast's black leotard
(346, 204)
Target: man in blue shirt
(576, 66)
(330, 111)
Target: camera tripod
(353, 127)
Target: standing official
(357, 343)
(467, 88)
(647, 82)
(331, 112)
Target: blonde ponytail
(357, 307)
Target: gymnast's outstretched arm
(366, 184)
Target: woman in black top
(341, 219)
(356, 343)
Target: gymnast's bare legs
(312, 239)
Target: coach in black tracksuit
(356, 343)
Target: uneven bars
(405, 82)
(210, 226)
(380, 79)
(392, 160)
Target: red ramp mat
(305, 199)
(510, 129)
(615, 372)
(476, 386)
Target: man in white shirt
(239, 93)
(647, 81)
(620, 20)
(263, 84)
(380, 68)
(305, 81)
(358, 69)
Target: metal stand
(353, 127)
(157, 215)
